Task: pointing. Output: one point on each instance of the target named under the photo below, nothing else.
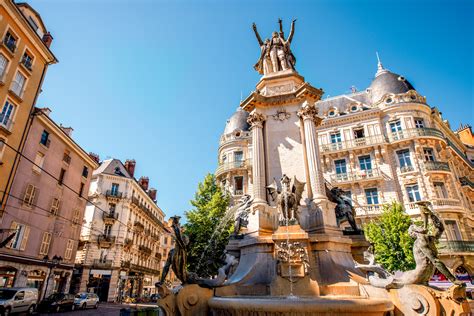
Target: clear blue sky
(156, 81)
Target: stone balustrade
(369, 210)
(436, 166)
(368, 141)
(415, 133)
(233, 165)
(455, 246)
(361, 175)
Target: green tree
(207, 233)
(393, 246)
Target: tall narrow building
(24, 60)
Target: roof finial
(380, 69)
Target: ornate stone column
(311, 120)
(256, 120)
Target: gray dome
(238, 121)
(388, 82)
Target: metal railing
(356, 176)
(436, 166)
(103, 264)
(233, 165)
(111, 215)
(450, 246)
(144, 249)
(113, 193)
(106, 239)
(415, 132)
(353, 143)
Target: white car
(85, 300)
(15, 300)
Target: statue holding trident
(275, 53)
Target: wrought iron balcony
(455, 246)
(109, 217)
(415, 133)
(437, 166)
(102, 264)
(368, 141)
(106, 240)
(361, 175)
(228, 166)
(144, 249)
(113, 194)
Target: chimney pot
(144, 181)
(130, 166)
(95, 157)
(152, 194)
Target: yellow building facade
(24, 59)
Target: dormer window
(27, 61)
(389, 100)
(354, 108)
(10, 41)
(331, 113)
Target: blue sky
(157, 80)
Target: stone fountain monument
(293, 258)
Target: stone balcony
(233, 165)
(368, 210)
(466, 182)
(357, 143)
(436, 166)
(145, 250)
(456, 246)
(106, 241)
(358, 176)
(411, 133)
(102, 264)
(234, 137)
(113, 195)
(138, 227)
(438, 204)
(110, 217)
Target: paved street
(105, 309)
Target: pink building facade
(45, 209)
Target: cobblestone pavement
(105, 309)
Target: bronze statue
(288, 199)
(177, 256)
(275, 54)
(424, 253)
(344, 209)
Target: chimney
(143, 182)
(45, 111)
(152, 194)
(47, 39)
(95, 157)
(130, 166)
(67, 130)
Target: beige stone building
(45, 208)
(382, 144)
(120, 250)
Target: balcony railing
(6, 123)
(145, 250)
(354, 143)
(102, 264)
(466, 182)
(128, 242)
(232, 165)
(437, 203)
(405, 169)
(361, 175)
(109, 216)
(450, 246)
(113, 194)
(414, 133)
(369, 210)
(437, 166)
(145, 210)
(138, 226)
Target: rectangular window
(21, 237)
(107, 230)
(341, 167)
(440, 190)
(67, 157)
(6, 115)
(18, 84)
(27, 61)
(29, 196)
(114, 190)
(112, 208)
(359, 133)
(428, 154)
(452, 230)
(365, 163)
(413, 193)
(55, 206)
(85, 172)
(238, 156)
(372, 196)
(45, 242)
(62, 174)
(81, 189)
(69, 248)
(76, 216)
(395, 126)
(39, 160)
(224, 159)
(404, 160)
(419, 122)
(45, 138)
(3, 65)
(10, 41)
(238, 185)
(335, 138)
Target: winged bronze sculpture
(287, 199)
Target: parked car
(57, 302)
(18, 299)
(85, 300)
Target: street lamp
(53, 263)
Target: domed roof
(238, 121)
(387, 82)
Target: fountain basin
(299, 306)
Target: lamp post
(53, 263)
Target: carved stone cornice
(256, 119)
(310, 112)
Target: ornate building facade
(120, 250)
(24, 60)
(379, 145)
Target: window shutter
(3, 65)
(34, 197)
(24, 240)
(13, 226)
